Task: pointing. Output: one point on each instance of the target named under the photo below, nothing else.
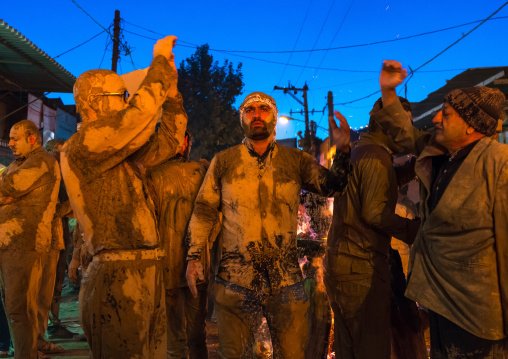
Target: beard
(258, 133)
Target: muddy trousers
(49, 264)
(61, 267)
(238, 316)
(186, 317)
(361, 311)
(122, 307)
(20, 278)
(449, 341)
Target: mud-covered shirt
(103, 165)
(174, 186)
(259, 197)
(32, 183)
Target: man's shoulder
(363, 152)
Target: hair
(30, 129)
(52, 145)
(378, 105)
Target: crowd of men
(155, 229)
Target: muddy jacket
(103, 165)
(174, 186)
(33, 183)
(364, 218)
(459, 262)
(259, 198)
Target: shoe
(48, 347)
(59, 332)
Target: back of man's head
(378, 105)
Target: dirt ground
(79, 350)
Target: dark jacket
(364, 218)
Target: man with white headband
(256, 185)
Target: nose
(438, 118)
(257, 113)
(11, 143)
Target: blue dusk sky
(352, 38)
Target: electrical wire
(294, 46)
(433, 58)
(334, 36)
(317, 39)
(75, 47)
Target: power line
(433, 58)
(365, 44)
(334, 36)
(194, 46)
(90, 16)
(75, 47)
(317, 39)
(294, 46)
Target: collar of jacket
(31, 153)
(371, 138)
(253, 153)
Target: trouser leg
(195, 313)
(362, 317)
(448, 340)
(57, 294)
(49, 263)
(237, 315)
(175, 313)
(5, 337)
(20, 275)
(287, 316)
(123, 309)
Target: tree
(208, 92)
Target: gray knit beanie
(480, 107)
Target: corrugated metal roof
(25, 67)
(424, 111)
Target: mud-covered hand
(164, 47)
(340, 134)
(194, 272)
(73, 271)
(392, 75)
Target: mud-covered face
(20, 143)
(258, 121)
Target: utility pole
(330, 114)
(116, 41)
(309, 136)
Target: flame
(331, 153)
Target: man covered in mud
(28, 199)
(103, 165)
(357, 274)
(256, 185)
(459, 261)
(174, 186)
(50, 261)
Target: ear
(32, 140)
(94, 103)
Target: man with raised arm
(459, 261)
(103, 165)
(256, 185)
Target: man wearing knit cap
(256, 185)
(459, 261)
